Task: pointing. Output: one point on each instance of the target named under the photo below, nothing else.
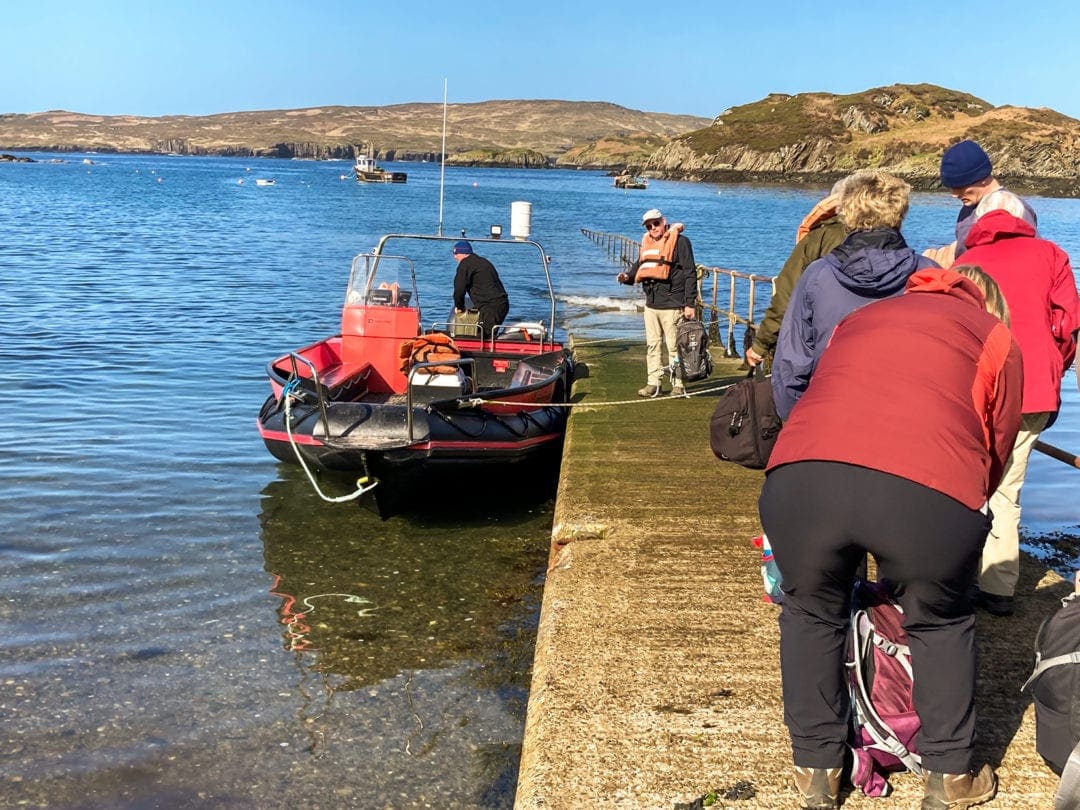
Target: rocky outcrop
(509, 158)
(820, 137)
(618, 151)
(814, 156)
(860, 119)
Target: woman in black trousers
(894, 450)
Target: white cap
(652, 213)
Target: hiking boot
(945, 791)
(995, 604)
(649, 391)
(678, 391)
(819, 787)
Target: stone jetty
(656, 680)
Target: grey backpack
(692, 341)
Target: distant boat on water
(261, 181)
(367, 172)
(630, 181)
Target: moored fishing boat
(367, 171)
(630, 181)
(393, 403)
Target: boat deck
(656, 677)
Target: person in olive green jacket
(823, 233)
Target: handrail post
(293, 358)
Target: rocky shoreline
(1022, 184)
(531, 159)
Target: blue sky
(199, 57)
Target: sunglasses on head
(652, 223)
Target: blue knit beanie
(462, 248)
(964, 163)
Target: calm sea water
(185, 622)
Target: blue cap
(462, 247)
(964, 163)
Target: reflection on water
(438, 607)
(429, 587)
(1050, 520)
(380, 664)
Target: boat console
(377, 317)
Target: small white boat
(260, 181)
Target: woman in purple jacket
(874, 262)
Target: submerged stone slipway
(656, 679)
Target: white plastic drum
(520, 219)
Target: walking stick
(1058, 453)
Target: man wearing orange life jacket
(668, 275)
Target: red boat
(355, 402)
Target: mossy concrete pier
(656, 678)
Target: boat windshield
(382, 281)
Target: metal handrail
(431, 364)
(545, 260)
(503, 328)
(293, 358)
(450, 327)
(619, 248)
(717, 276)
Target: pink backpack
(879, 677)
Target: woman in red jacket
(1037, 281)
(894, 450)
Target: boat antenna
(442, 167)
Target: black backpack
(1055, 684)
(692, 341)
(744, 426)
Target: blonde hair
(873, 199)
(995, 301)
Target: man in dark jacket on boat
(477, 278)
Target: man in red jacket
(1037, 281)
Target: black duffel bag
(1055, 684)
(744, 424)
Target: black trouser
(492, 314)
(821, 518)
